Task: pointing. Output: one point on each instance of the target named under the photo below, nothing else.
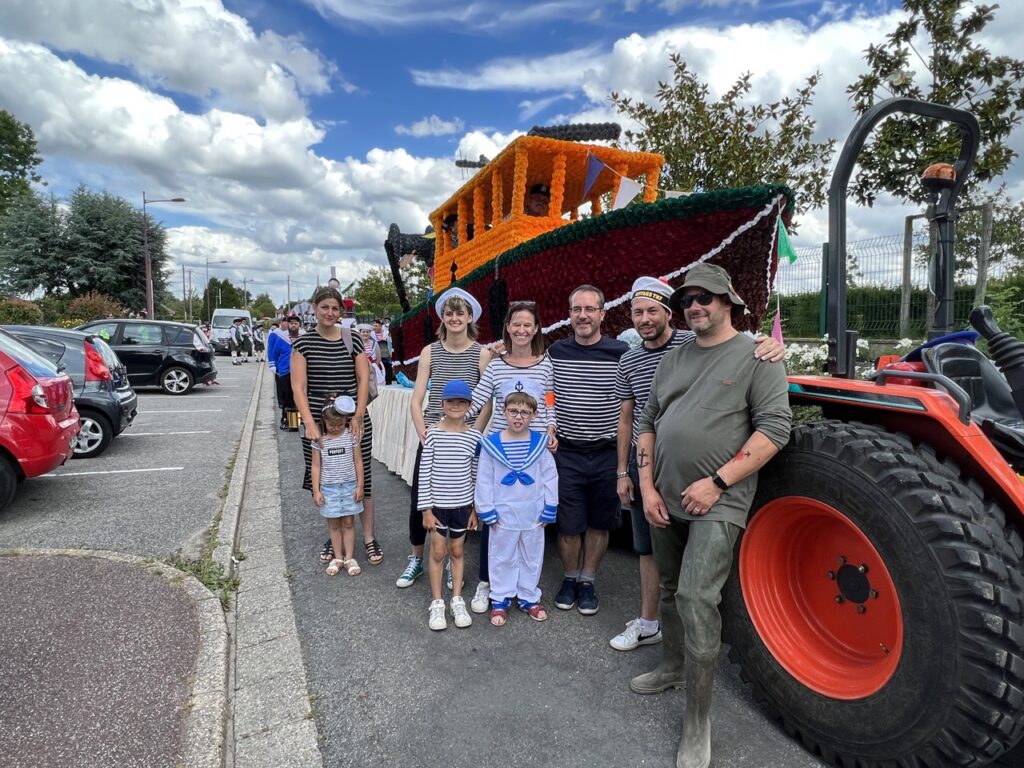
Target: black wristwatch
(717, 480)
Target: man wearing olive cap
(731, 412)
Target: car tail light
(95, 368)
(27, 394)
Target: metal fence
(877, 287)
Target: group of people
(674, 430)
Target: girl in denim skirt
(336, 472)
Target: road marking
(148, 434)
(202, 410)
(113, 472)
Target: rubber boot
(669, 673)
(695, 746)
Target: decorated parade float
(876, 605)
(484, 241)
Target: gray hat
(651, 288)
(710, 277)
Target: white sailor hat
(466, 296)
(651, 288)
(523, 384)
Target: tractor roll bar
(842, 344)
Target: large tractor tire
(877, 603)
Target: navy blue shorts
(452, 522)
(587, 492)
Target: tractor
(877, 602)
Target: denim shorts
(339, 500)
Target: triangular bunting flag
(594, 168)
(670, 195)
(628, 189)
(785, 247)
(777, 328)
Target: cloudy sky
(298, 130)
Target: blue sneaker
(412, 572)
(566, 597)
(587, 599)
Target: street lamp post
(145, 249)
(209, 298)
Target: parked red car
(38, 419)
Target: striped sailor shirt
(497, 374)
(448, 366)
(586, 407)
(448, 469)
(636, 372)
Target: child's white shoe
(459, 613)
(481, 602)
(438, 620)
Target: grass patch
(210, 575)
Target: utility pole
(190, 295)
(245, 294)
(183, 293)
(288, 295)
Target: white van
(221, 326)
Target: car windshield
(35, 364)
(223, 321)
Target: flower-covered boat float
(486, 242)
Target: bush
(20, 312)
(93, 306)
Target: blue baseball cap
(457, 389)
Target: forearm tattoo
(742, 454)
(642, 459)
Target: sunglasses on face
(703, 298)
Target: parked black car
(104, 397)
(158, 353)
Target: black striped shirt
(586, 407)
(636, 372)
(448, 469)
(448, 366)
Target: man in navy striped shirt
(587, 414)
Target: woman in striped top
(524, 366)
(331, 359)
(456, 355)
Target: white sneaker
(481, 601)
(438, 620)
(459, 613)
(632, 636)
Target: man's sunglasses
(703, 298)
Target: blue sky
(298, 130)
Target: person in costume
(455, 355)
(516, 497)
(524, 360)
(445, 496)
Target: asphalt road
(388, 691)
(155, 490)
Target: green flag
(785, 247)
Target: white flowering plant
(809, 359)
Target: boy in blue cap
(445, 496)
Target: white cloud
(189, 46)
(430, 126)
(481, 14)
(530, 108)
(560, 71)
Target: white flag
(628, 189)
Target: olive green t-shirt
(705, 403)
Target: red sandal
(499, 616)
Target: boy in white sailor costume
(517, 495)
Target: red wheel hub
(821, 598)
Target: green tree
(942, 36)
(375, 293)
(18, 159)
(32, 247)
(729, 143)
(1007, 241)
(263, 306)
(221, 293)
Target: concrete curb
(272, 721)
(203, 731)
(227, 531)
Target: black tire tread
(980, 557)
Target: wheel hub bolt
(874, 594)
(862, 608)
(839, 600)
(831, 575)
(862, 568)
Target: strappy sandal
(335, 567)
(537, 612)
(499, 616)
(373, 552)
(352, 567)
(327, 553)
